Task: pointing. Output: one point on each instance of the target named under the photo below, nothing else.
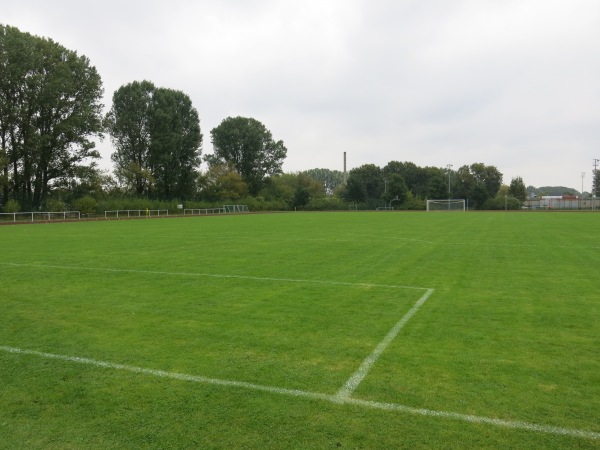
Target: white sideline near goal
(449, 204)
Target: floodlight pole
(594, 182)
(582, 176)
(449, 166)
(393, 200)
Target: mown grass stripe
(212, 275)
(315, 395)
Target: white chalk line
(212, 275)
(519, 425)
(370, 360)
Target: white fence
(559, 203)
(223, 210)
(40, 216)
(121, 213)
(199, 212)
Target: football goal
(450, 204)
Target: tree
(477, 183)
(396, 189)
(295, 189)
(128, 123)
(517, 189)
(356, 190)
(331, 179)
(221, 182)
(49, 112)
(365, 184)
(307, 188)
(423, 182)
(596, 183)
(247, 145)
(175, 144)
(156, 133)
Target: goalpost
(449, 204)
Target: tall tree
(156, 133)
(247, 145)
(175, 146)
(596, 183)
(50, 112)
(128, 123)
(365, 183)
(396, 189)
(423, 182)
(477, 183)
(517, 189)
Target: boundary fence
(118, 213)
(31, 216)
(546, 204)
(223, 210)
(206, 211)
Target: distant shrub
(12, 206)
(85, 205)
(413, 203)
(53, 205)
(326, 204)
(260, 204)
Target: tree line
(51, 112)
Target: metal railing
(32, 216)
(120, 213)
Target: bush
(327, 204)
(413, 203)
(85, 205)
(12, 206)
(53, 205)
(260, 204)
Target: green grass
(297, 302)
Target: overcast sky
(509, 83)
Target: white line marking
(514, 424)
(368, 363)
(211, 275)
(316, 396)
(165, 374)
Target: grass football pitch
(302, 330)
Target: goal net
(450, 204)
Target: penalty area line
(527, 426)
(370, 360)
